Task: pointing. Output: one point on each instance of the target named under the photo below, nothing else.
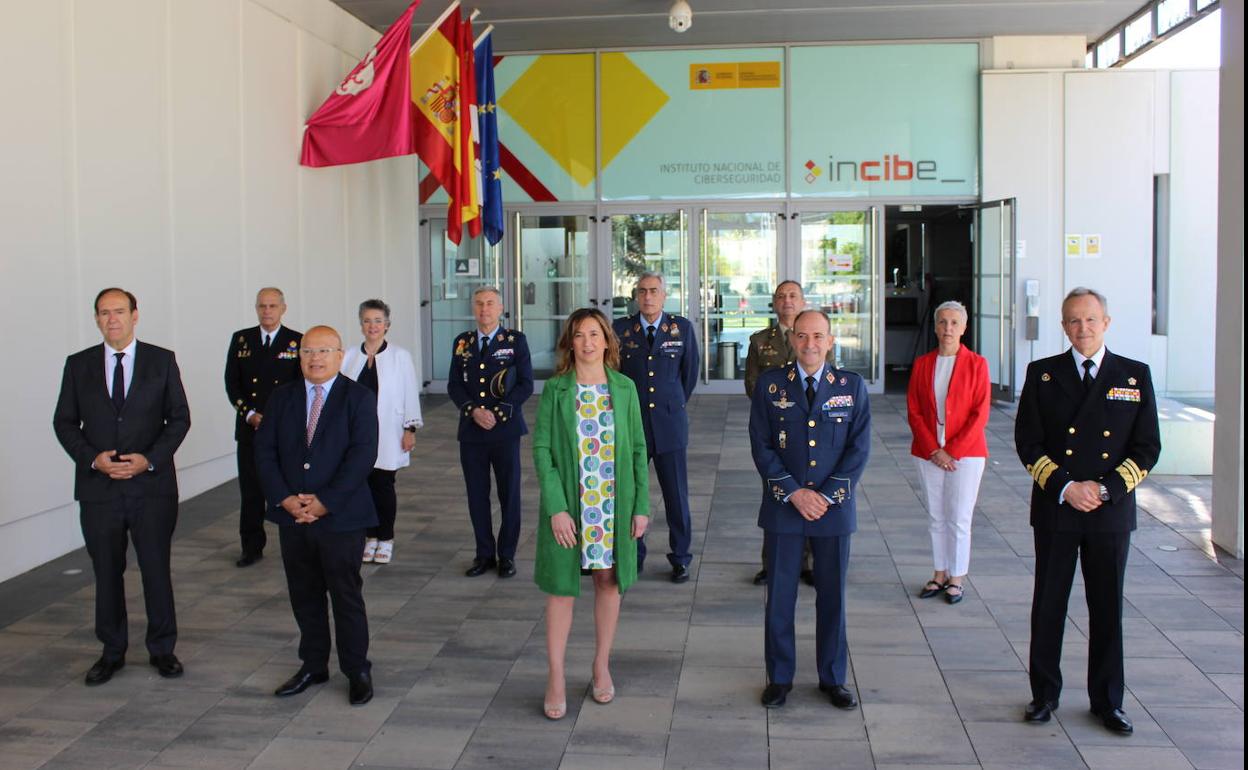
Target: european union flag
(487, 131)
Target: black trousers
(381, 484)
(323, 566)
(149, 523)
(670, 468)
(252, 504)
(477, 460)
(1103, 557)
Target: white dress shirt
(940, 389)
(308, 386)
(269, 336)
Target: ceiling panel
(531, 25)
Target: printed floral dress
(596, 431)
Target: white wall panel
(1109, 192)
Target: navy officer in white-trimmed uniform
(810, 434)
(659, 352)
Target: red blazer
(966, 406)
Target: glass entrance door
(993, 309)
(643, 243)
(739, 257)
(839, 277)
(455, 272)
(553, 276)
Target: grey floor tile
(909, 733)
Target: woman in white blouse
(389, 372)
(947, 405)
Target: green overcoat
(557, 458)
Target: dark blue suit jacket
(665, 376)
(823, 448)
(475, 381)
(335, 468)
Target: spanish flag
(444, 93)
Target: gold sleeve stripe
(1042, 469)
(1131, 474)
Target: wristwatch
(412, 429)
(1104, 493)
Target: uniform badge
(628, 333)
(241, 341)
(784, 402)
(636, 327)
(1045, 377)
(1131, 381)
(838, 496)
(771, 388)
(832, 379)
(460, 345)
(792, 375)
(511, 338)
(842, 380)
(663, 327)
(675, 331)
(784, 440)
(839, 402)
(1123, 394)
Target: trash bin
(728, 360)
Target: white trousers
(950, 505)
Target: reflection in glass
(837, 266)
(642, 243)
(738, 277)
(553, 277)
(455, 273)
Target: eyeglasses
(314, 352)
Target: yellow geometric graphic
(629, 100)
(553, 101)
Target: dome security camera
(680, 17)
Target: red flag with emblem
(370, 114)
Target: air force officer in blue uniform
(660, 354)
(810, 434)
(490, 378)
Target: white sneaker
(370, 550)
(385, 549)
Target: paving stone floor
(459, 663)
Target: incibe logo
(891, 167)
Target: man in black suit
(1087, 431)
(121, 415)
(260, 358)
(315, 449)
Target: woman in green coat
(590, 454)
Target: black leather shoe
(102, 671)
(480, 567)
(300, 682)
(167, 666)
(1039, 711)
(680, 574)
(774, 695)
(1116, 721)
(808, 577)
(506, 568)
(360, 689)
(248, 559)
(842, 697)
(760, 577)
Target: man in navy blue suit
(660, 353)
(810, 434)
(490, 378)
(314, 452)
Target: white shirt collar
(309, 385)
(490, 335)
(128, 350)
(657, 323)
(1096, 358)
(272, 335)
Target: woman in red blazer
(947, 406)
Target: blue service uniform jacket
(1111, 436)
(824, 447)
(665, 376)
(335, 467)
(500, 381)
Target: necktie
(650, 335)
(318, 401)
(1088, 379)
(267, 339)
(485, 345)
(119, 382)
(810, 391)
